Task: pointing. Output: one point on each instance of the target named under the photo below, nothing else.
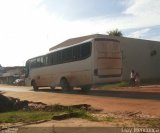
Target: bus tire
(86, 88)
(35, 87)
(52, 88)
(65, 84)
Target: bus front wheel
(64, 84)
(35, 87)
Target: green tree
(115, 32)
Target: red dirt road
(144, 99)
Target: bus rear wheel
(52, 88)
(35, 87)
(65, 85)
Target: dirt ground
(117, 101)
(144, 99)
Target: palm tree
(115, 32)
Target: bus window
(45, 60)
(59, 57)
(54, 58)
(27, 69)
(67, 55)
(38, 64)
(33, 63)
(42, 61)
(76, 52)
(50, 59)
(85, 50)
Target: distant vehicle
(19, 82)
(93, 62)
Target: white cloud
(145, 12)
(144, 8)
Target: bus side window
(45, 60)
(54, 58)
(50, 59)
(42, 61)
(67, 55)
(59, 57)
(27, 69)
(76, 52)
(85, 50)
(38, 63)
(33, 63)
(63, 55)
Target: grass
(23, 116)
(120, 84)
(31, 116)
(84, 115)
(75, 113)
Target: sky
(29, 28)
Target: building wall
(141, 55)
(10, 74)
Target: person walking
(132, 78)
(137, 79)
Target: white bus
(92, 62)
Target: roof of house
(76, 40)
(14, 67)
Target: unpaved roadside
(144, 100)
(116, 103)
